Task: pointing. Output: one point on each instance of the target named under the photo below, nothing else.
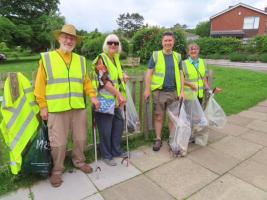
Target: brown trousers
(59, 126)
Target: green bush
(124, 45)
(147, 40)
(261, 43)
(238, 57)
(263, 57)
(215, 56)
(252, 57)
(3, 47)
(209, 45)
(92, 47)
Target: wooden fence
(137, 86)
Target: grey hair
(193, 45)
(111, 37)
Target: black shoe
(157, 145)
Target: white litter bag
(215, 113)
(181, 130)
(133, 123)
(195, 115)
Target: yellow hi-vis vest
(19, 120)
(195, 76)
(160, 68)
(115, 75)
(64, 88)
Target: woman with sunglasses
(110, 84)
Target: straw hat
(68, 29)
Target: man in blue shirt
(165, 78)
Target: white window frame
(251, 22)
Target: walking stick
(127, 139)
(98, 169)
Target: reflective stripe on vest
(64, 89)
(159, 72)
(19, 120)
(195, 76)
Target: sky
(102, 14)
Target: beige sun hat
(68, 29)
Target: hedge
(147, 40)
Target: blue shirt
(194, 62)
(169, 83)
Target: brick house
(241, 21)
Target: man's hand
(96, 103)
(44, 113)
(147, 94)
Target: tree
(184, 26)
(203, 29)
(26, 10)
(130, 23)
(7, 29)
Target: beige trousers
(60, 125)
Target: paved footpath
(233, 166)
(256, 66)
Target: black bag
(37, 159)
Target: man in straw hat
(60, 86)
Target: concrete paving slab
(215, 135)
(256, 137)
(236, 147)
(261, 156)
(193, 147)
(96, 196)
(263, 103)
(252, 172)
(111, 175)
(76, 186)
(239, 119)
(252, 115)
(262, 109)
(229, 187)
(21, 194)
(138, 188)
(232, 129)
(149, 159)
(181, 177)
(258, 126)
(214, 160)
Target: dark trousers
(110, 129)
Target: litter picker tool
(127, 139)
(98, 169)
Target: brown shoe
(56, 180)
(86, 168)
(157, 145)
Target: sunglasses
(112, 42)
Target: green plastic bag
(37, 158)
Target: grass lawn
(241, 90)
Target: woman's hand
(193, 86)
(121, 99)
(126, 78)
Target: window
(251, 22)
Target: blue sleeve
(151, 63)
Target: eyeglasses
(113, 42)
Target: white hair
(113, 38)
